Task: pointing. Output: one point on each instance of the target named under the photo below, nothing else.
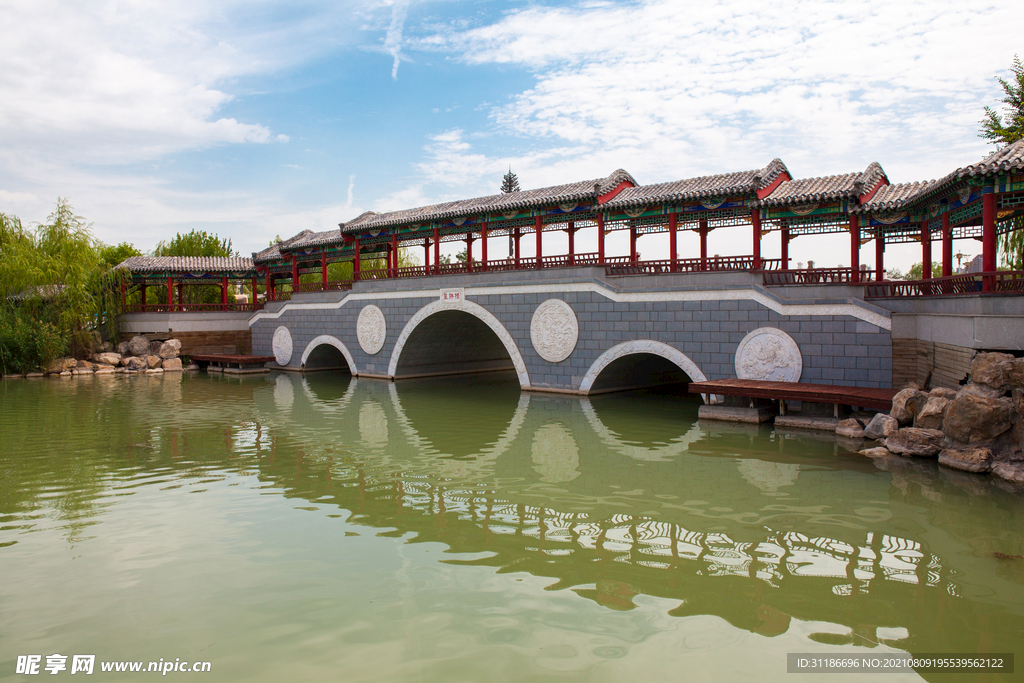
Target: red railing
(330, 285)
(994, 282)
(813, 276)
(191, 308)
(621, 265)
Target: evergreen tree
(1000, 131)
(510, 183)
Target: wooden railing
(621, 265)
(813, 276)
(994, 282)
(191, 308)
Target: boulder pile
(979, 428)
(136, 356)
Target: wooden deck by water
(876, 399)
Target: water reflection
(614, 498)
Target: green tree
(510, 182)
(917, 270)
(111, 256)
(195, 243)
(1003, 129)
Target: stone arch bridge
(575, 330)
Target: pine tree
(510, 183)
(1004, 132)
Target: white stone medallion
(554, 330)
(371, 329)
(282, 345)
(769, 354)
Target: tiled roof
(316, 239)
(187, 264)
(1009, 158)
(273, 252)
(897, 196)
(828, 188)
(572, 192)
(699, 188)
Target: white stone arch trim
(330, 341)
(638, 346)
(475, 310)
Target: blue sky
(253, 119)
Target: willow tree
(1004, 128)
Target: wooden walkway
(232, 363)
(876, 399)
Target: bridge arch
(468, 308)
(646, 347)
(315, 351)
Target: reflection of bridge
(549, 488)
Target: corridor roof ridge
(897, 196)
(273, 252)
(826, 188)
(700, 187)
(190, 264)
(1008, 158)
(569, 192)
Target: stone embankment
(136, 356)
(979, 428)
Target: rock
(155, 371)
(932, 413)
(33, 375)
(170, 349)
(1010, 471)
(172, 365)
(192, 367)
(971, 459)
(66, 373)
(123, 350)
(1015, 372)
(982, 390)
(1018, 402)
(972, 419)
(104, 370)
(920, 443)
(881, 426)
(135, 364)
(154, 348)
(876, 452)
(105, 347)
(84, 364)
(943, 392)
(121, 369)
(850, 428)
(906, 404)
(153, 361)
(61, 365)
(990, 369)
(139, 346)
(107, 358)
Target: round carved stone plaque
(371, 329)
(554, 330)
(769, 354)
(282, 345)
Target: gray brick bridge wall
(695, 321)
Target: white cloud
(393, 37)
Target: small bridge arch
(640, 347)
(467, 314)
(314, 354)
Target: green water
(318, 528)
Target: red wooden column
(880, 254)
(571, 232)
(469, 252)
(926, 251)
(394, 253)
(755, 224)
(947, 246)
(142, 290)
(355, 259)
(483, 246)
(703, 228)
(632, 244)
(988, 236)
(270, 287)
(426, 256)
(673, 228)
(295, 273)
(855, 248)
(323, 268)
(539, 228)
(515, 238)
(253, 301)
(170, 292)
(785, 246)
(437, 250)
(224, 293)
(600, 238)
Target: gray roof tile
(1006, 159)
(699, 188)
(828, 188)
(896, 196)
(187, 264)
